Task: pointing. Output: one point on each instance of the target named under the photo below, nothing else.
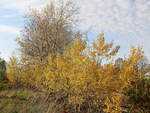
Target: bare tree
(48, 30)
(143, 65)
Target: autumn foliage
(84, 79)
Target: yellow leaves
(113, 105)
(76, 100)
(80, 76)
(13, 70)
(114, 51)
(136, 54)
(101, 40)
(78, 46)
(102, 49)
(95, 46)
(92, 53)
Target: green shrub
(2, 69)
(138, 94)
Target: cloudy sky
(125, 21)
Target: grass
(18, 101)
(4, 85)
(21, 100)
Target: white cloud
(123, 18)
(128, 20)
(22, 5)
(9, 29)
(8, 16)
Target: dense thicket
(83, 79)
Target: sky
(125, 21)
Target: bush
(139, 96)
(2, 69)
(81, 79)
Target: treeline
(56, 60)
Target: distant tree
(48, 30)
(2, 69)
(143, 65)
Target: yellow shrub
(83, 77)
(87, 79)
(13, 73)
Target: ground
(20, 100)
